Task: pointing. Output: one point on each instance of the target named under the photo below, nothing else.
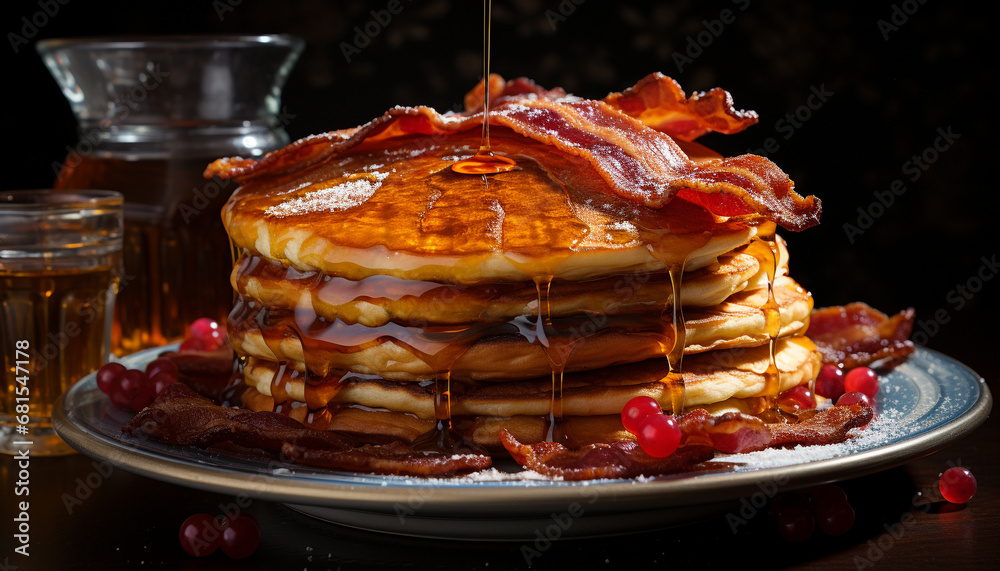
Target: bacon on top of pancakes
(628, 138)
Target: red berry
(659, 435)
(957, 485)
(108, 375)
(204, 328)
(854, 398)
(784, 502)
(159, 382)
(240, 536)
(200, 535)
(204, 335)
(636, 411)
(857, 398)
(835, 518)
(825, 496)
(830, 382)
(861, 380)
(796, 524)
(796, 400)
(162, 365)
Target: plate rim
(513, 499)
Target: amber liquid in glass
(53, 333)
(176, 251)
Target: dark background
(891, 95)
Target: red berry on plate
(861, 380)
(160, 381)
(796, 524)
(240, 536)
(957, 485)
(204, 335)
(200, 535)
(659, 435)
(162, 365)
(108, 375)
(636, 411)
(830, 382)
(796, 400)
(204, 328)
(854, 398)
(835, 518)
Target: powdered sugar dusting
(329, 197)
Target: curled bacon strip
(622, 459)
(181, 416)
(639, 163)
(659, 102)
(701, 435)
(828, 426)
(856, 334)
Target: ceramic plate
(925, 404)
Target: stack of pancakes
(369, 284)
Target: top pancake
(403, 212)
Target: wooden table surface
(132, 521)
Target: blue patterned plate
(925, 404)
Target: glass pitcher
(153, 112)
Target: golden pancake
(403, 212)
(377, 300)
(592, 400)
(709, 378)
(507, 351)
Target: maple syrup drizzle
(675, 357)
(485, 161)
(765, 249)
(557, 348)
(676, 262)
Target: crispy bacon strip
(729, 432)
(392, 458)
(828, 426)
(639, 163)
(702, 434)
(856, 334)
(622, 459)
(181, 416)
(659, 102)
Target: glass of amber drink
(60, 268)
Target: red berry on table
(784, 502)
(824, 496)
(108, 375)
(240, 536)
(830, 382)
(796, 400)
(957, 485)
(200, 535)
(796, 524)
(861, 380)
(162, 365)
(835, 518)
(636, 411)
(659, 435)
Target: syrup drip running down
(485, 161)
(557, 348)
(676, 260)
(765, 249)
